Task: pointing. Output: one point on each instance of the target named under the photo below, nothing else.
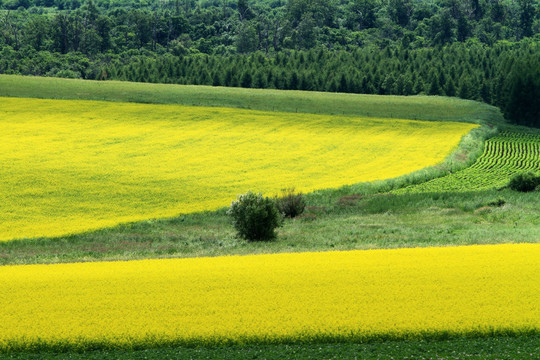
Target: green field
(504, 155)
(404, 107)
(462, 204)
(493, 348)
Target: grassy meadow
(311, 102)
(115, 156)
(351, 218)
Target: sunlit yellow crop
(356, 295)
(70, 166)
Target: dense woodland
(487, 50)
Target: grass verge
(334, 220)
(404, 107)
(491, 348)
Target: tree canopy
(466, 48)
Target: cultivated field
(72, 163)
(73, 166)
(286, 298)
(404, 107)
(504, 155)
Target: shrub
(255, 217)
(499, 202)
(524, 181)
(291, 204)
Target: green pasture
(334, 220)
(405, 107)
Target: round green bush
(255, 217)
(524, 182)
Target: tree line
(484, 50)
(224, 27)
(506, 75)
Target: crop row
(304, 297)
(503, 156)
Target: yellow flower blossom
(71, 166)
(354, 295)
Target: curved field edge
(429, 293)
(76, 165)
(482, 348)
(42, 347)
(433, 108)
(429, 108)
(425, 108)
(505, 154)
(337, 223)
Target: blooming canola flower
(71, 166)
(291, 297)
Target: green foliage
(246, 39)
(208, 26)
(484, 348)
(462, 48)
(400, 107)
(255, 217)
(244, 12)
(524, 181)
(527, 15)
(69, 74)
(498, 202)
(291, 204)
(523, 91)
(506, 154)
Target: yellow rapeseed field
(355, 295)
(70, 166)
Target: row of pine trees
(469, 71)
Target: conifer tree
(434, 88)
(450, 89)
(246, 81)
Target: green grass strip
(405, 107)
(488, 348)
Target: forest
(485, 50)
